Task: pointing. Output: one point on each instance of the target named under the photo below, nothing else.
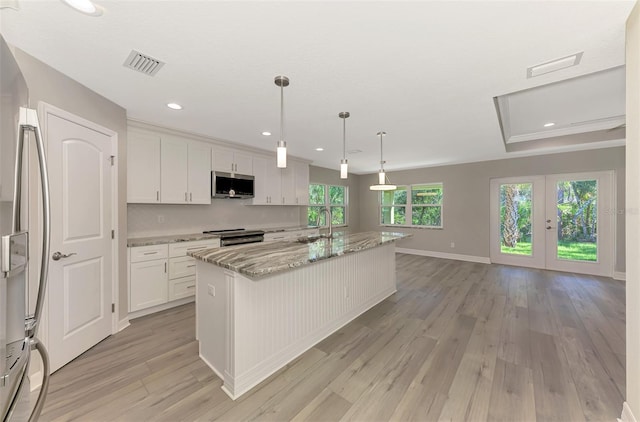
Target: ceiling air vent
(143, 63)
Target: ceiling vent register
(143, 63)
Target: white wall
(633, 212)
(160, 219)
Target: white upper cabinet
(274, 186)
(231, 161)
(301, 176)
(143, 168)
(199, 173)
(267, 189)
(174, 165)
(167, 169)
(288, 184)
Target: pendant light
(382, 176)
(281, 150)
(344, 166)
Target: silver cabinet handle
(165, 267)
(190, 196)
(191, 266)
(185, 197)
(158, 195)
(59, 255)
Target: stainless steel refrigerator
(20, 136)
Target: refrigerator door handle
(37, 408)
(29, 122)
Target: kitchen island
(259, 306)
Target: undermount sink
(311, 239)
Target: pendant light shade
(281, 150)
(344, 165)
(383, 182)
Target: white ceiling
(425, 72)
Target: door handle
(58, 255)
(549, 227)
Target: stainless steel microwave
(231, 185)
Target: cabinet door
(261, 185)
(222, 160)
(149, 284)
(199, 177)
(143, 168)
(301, 175)
(288, 184)
(174, 170)
(244, 163)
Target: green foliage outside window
(424, 202)
(321, 196)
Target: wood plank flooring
(458, 342)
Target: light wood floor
(458, 341)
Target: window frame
(327, 203)
(408, 206)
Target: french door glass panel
(516, 212)
(577, 220)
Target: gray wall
(466, 197)
(326, 176)
(48, 85)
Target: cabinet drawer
(182, 287)
(148, 253)
(181, 248)
(181, 267)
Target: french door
(558, 222)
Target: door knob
(57, 255)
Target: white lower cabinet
(149, 279)
(163, 273)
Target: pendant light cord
(344, 138)
(281, 112)
(381, 159)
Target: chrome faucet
(328, 211)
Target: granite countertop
(174, 238)
(261, 259)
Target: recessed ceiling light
(84, 6)
(174, 106)
(549, 124)
(319, 149)
(266, 133)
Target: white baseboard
(455, 256)
(618, 275)
(627, 415)
(124, 323)
(163, 307)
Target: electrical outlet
(211, 290)
(453, 245)
(160, 218)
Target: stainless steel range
(231, 237)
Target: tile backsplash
(161, 219)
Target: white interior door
(557, 222)
(80, 282)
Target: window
(422, 203)
(322, 196)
